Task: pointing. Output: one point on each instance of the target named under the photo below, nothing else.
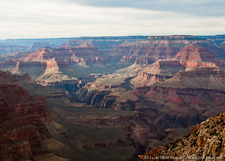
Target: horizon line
(33, 38)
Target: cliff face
(64, 54)
(205, 141)
(204, 77)
(157, 72)
(166, 47)
(36, 56)
(192, 101)
(53, 75)
(194, 52)
(198, 55)
(147, 79)
(155, 47)
(22, 122)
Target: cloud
(196, 7)
(60, 18)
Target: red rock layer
(194, 52)
(146, 79)
(154, 53)
(39, 55)
(63, 53)
(196, 55)
(188, 99)
(155, 47)
(21, 122)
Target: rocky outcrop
(36, 56)
(204, 142)
(197, 55)
(66, 54)
(146, 79)
(53, 75)
(22, 132)
(22, 122)
(108, 99)
(157, 72)
(195, 52)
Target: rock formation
(23, 133)
(204, 142)
(156, 72)
(155, 47)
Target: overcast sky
(73, 18)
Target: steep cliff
(155, 47)
(197, 55)
(204, 142)
(53, 75)
(159, 71)
(203, 77)
(23, 133)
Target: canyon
(110, 98)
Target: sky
(74, 18)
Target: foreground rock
(23, 133)
(204, 142)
